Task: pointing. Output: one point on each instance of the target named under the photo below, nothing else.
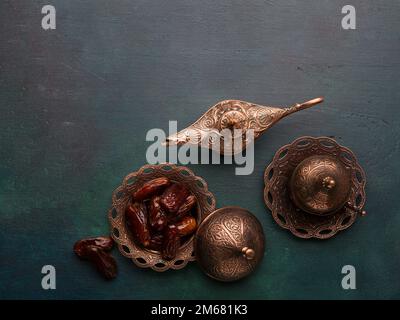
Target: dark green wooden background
(76, 103)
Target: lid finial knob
(328, 183)
(248, 253)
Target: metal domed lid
(229, 244)
(320, 185)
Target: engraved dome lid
(320, 185)
(229, 244)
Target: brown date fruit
(156, 242)
(150, 188)
(173, 197)
(186, 226)
(171, 243)
(136, 215)
(103, 261)
(157, 217)
(105, 243)
(185, 208)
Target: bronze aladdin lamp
(234, 114)
(315, 187)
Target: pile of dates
(160, 216)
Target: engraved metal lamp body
(226, 116)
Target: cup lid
(320, 185)
(229, 244)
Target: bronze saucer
(279, 198)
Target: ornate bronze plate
(142, 257)
(277, 195)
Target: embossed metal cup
(302, 179)
(229, 244)
(320, 185)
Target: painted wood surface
(76, 103)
